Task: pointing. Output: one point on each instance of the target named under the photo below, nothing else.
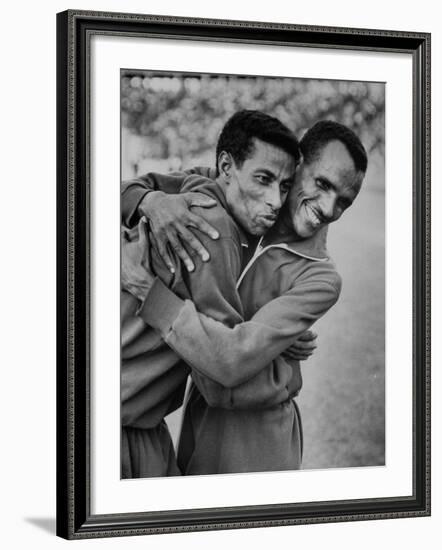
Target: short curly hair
(325, 131)
(244, 126)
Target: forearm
(232, 355)
(133, 191)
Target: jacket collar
(312, 248)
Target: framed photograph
(243, 274)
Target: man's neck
(282, 231)
(222, 184)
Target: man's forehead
(268, 154)
(335, 164)
(335, 153)
(335, 159)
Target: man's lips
(268, 220)
(314, 216)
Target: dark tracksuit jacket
(153, 376)
(285, 287)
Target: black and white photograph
(243, 275)
(252, 274)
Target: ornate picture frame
(75, 517)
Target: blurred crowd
(173, 121)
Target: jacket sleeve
(133, 191)
(231, 355)
(149, 388)
(273, 385)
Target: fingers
(303, 357)
(299, 351)
(298, 355)
(307, 336)
(161, 246)
(200, 223)
(171, 228)
(181, 252)
(182, 241)
(200, 199)
(304, 346)
(193, 243)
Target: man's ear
(225, 165)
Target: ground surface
(342, 401)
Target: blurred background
(172, 121)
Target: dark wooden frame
(74, 29)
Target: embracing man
(153, 376)
(284, 286)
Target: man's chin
(258, 231)
(306, 231)
(262, 229)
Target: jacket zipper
(260, 251)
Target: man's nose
(328, 204)
(273, 197)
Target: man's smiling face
(324, 188)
